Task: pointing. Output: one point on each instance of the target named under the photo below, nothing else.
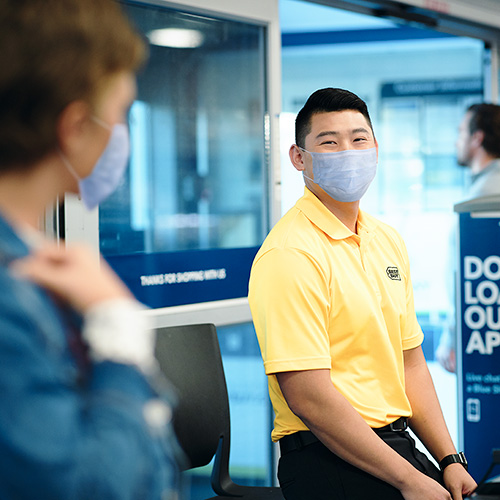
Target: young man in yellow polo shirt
(332, 304)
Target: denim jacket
(64, 436)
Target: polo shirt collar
(321, 217)
(367, 226)
(493, 165)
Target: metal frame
(494, 73)
(220, 313)
(478, 19)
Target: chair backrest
(190, 358)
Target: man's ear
(297, 157)
(477, 139)
(72, 125)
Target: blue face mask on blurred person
(344, 175)
(109, 169)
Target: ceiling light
(176, 37)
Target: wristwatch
(453, 459)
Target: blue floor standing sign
(478, 328)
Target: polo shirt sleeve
(289, 300)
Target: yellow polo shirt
(323, 297)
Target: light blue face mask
(344, 175)
(109, 169)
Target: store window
(195, 194)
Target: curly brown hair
(54, 52)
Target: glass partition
(197, 175)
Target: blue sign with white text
(178, 278)
(479, 339)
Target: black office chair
(190, 358)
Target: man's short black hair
(486, 117)
(325, 101)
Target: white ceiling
(301, 16)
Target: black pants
(315, 473)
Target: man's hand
(458, 481)
(424, 487)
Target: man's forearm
(337, 424)
(427, 421)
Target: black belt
(301, 439)
(399, 425)
(296, 441)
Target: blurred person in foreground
(332, 303)
(84, 413)
(478, 149)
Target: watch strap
(458, 458)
